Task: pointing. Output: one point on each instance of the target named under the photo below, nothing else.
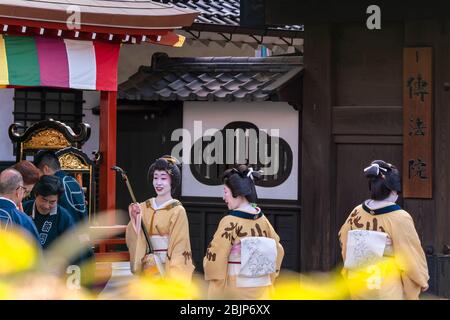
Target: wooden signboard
(417, 122)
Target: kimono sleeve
(409, 255)
(346, 227)
(136, 243)
(342, 236)
(179, 249)
(215, 263)
(280, 250)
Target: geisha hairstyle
(383, 178)
(241, 181)
(170, 165)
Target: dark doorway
(143, 134)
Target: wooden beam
(317, 239)
(296, 12)
(108, 132)
(83, 28)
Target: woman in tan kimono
(166, 223)
(380, 242)
(245, 255)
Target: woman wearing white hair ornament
(245, 255)
(380, 245)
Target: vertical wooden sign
(417, 122)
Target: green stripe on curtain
(23, 63)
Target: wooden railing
(106, 250)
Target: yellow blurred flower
(5, 291)
(313, 287)
(18, 252)
(153, 288)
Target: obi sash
(160, 245)
(365, 247)
(252, 261)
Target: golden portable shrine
(56, 136)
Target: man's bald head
(10, 180)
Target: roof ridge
(162, 62)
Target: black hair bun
(388, 173)
(241, 181)
(371, 171)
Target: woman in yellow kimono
(166, 223)
(380, 246)
(245, 254)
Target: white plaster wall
(265, 115)
(6, 119)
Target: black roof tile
(212, 78)
(220, 12)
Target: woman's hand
(134, 210)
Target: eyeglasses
(22, 187)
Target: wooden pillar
(317, 156)
(108, 132)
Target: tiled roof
(214, 79)
(220, 12)
(124, 14)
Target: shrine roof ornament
(120, 21)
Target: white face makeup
(162, 182)
(231, 202)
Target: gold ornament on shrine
(46, 139)
(69, 161)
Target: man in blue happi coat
(11, 194)
(50, 219)
(73, 200)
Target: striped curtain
(62, 63)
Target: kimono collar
(52, 213)
(246, 215)
(169, 204)
(387, 209)
(8, 203)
